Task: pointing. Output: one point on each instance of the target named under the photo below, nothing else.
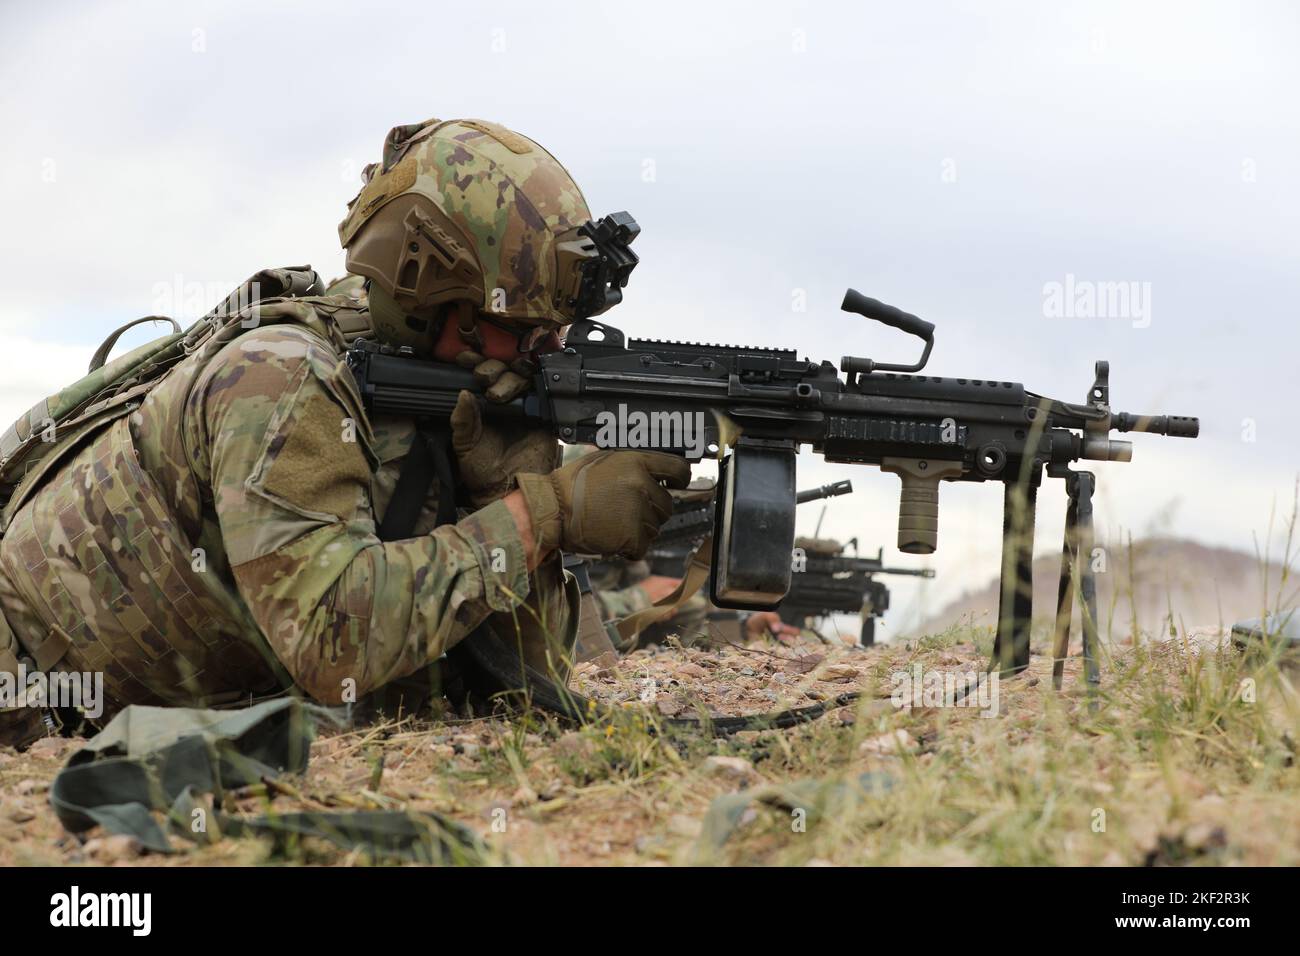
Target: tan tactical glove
(608, 502)
(502, 383)
(490, 455)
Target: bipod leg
(867, 636)
(1087, 582)
(1065, 590)
(1016, 599)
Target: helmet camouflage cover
(466, 210)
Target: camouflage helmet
(468, 211)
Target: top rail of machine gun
(864, 376)
(608, 363)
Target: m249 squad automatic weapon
(825, 584)
(757, 406)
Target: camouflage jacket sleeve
(618, 604)
(279, 436)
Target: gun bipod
(1016, 592)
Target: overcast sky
(955, 160)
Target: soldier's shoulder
(287, 344)
(271, 361)
(351, 287)
(288, 341)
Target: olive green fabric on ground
(163, 758)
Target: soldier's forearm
(524, 525)
(338, 605)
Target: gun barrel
(825, 491)
(1106, 449)
(1175, 426)
(693, 520)
(912, 572)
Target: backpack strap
(101, 354)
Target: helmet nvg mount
(469, 211)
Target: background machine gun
(692, 521)
(827, 581)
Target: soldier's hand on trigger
(490, 454)
(606, 503)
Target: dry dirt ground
(1188, 757)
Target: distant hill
(1200, 586)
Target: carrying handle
(101, 354)
(856, 302)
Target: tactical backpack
(35, 444)
(57, 426)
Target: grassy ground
(1190, 758)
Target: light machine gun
(757, 406)
(825, 584)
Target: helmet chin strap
(467, 325)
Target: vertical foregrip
(918, 501)
(918, 515)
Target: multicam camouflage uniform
(219, 542)
(351, 287)
(615, 583)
